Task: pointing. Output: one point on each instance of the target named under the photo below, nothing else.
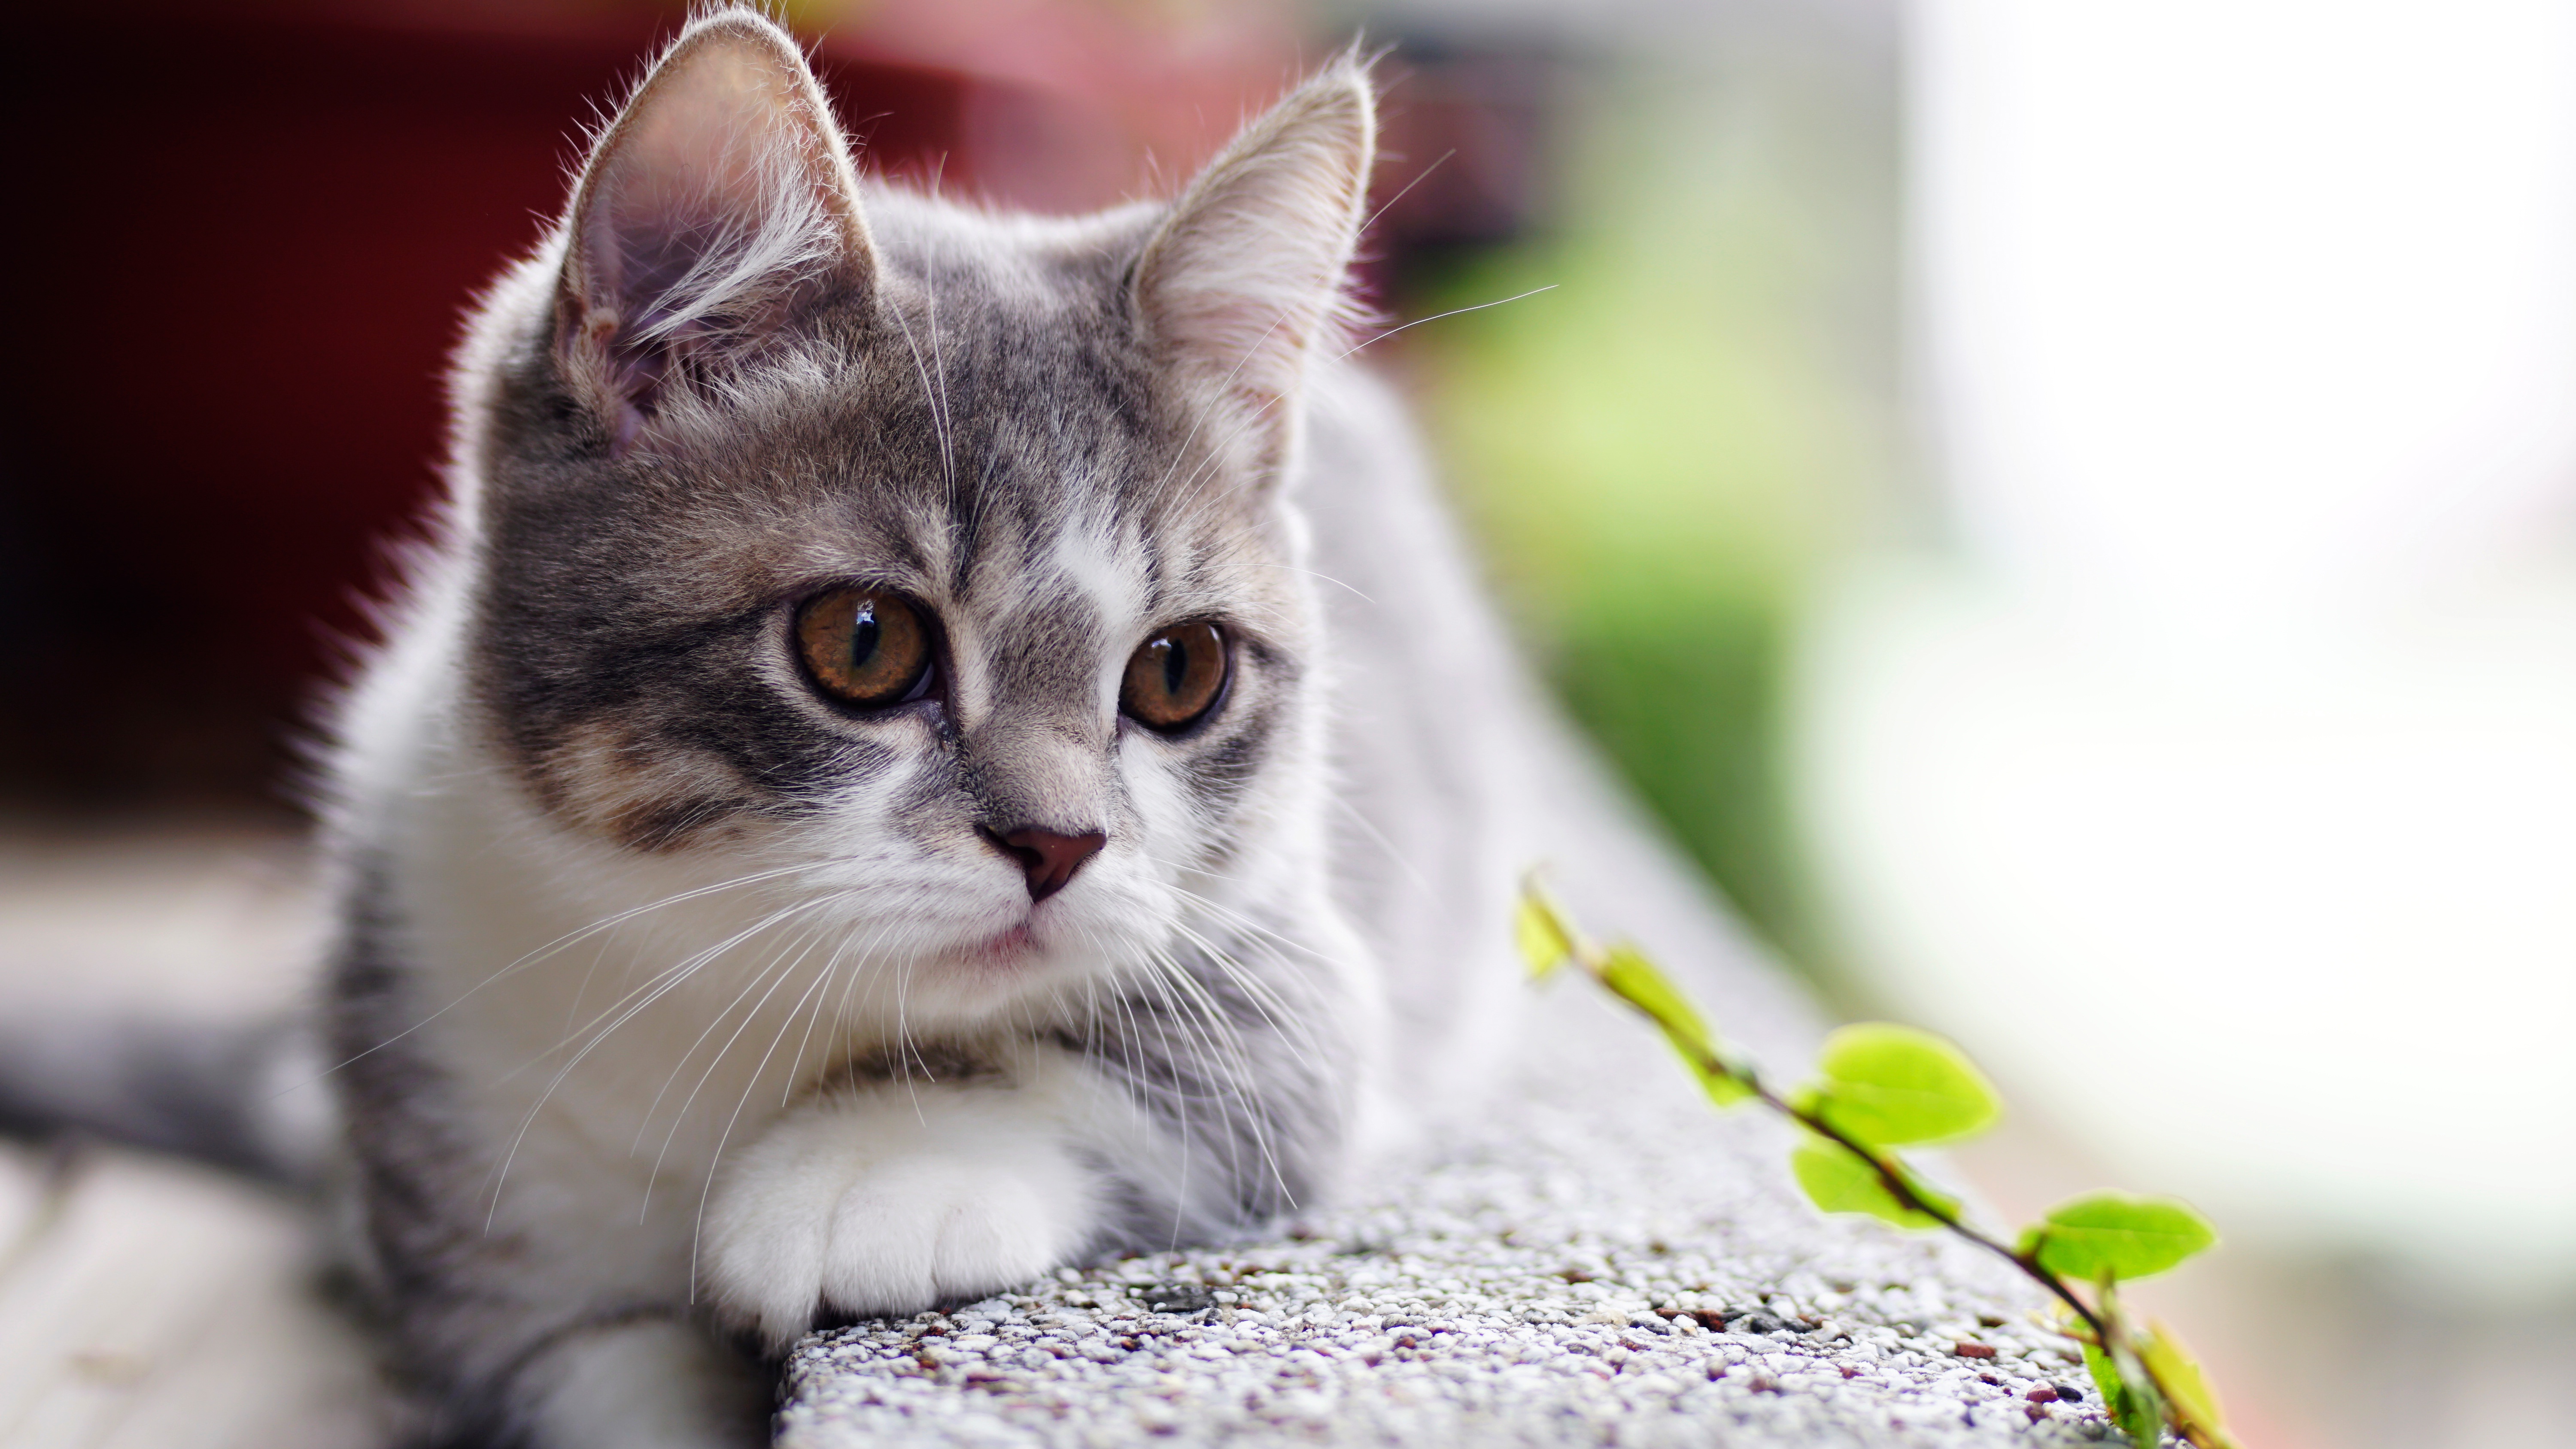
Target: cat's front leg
(892, 1197)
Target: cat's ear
(1247, 276)
(717, 207)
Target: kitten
(934, 744)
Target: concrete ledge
(1609, 1262)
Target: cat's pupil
(863, 635)
(1176, 664)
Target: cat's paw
(889, 1203)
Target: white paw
(891, 1202)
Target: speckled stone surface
(1608, 1261)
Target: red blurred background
(250, 230)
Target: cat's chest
(635, 1026)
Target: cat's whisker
(1294, 1029)
(1240, 363)
(1407, 189)
(782, 966)
(813, 1019)
(1132, 1077)
(933, 396)
(1091, 1033)
(863, 968)
(1179, 1103)
(905, 1053)
(1282, 1018)
(660, 980)
(1223, 1059)
(542, 953)
(860, 969)
(1279, 1012)
(1216, 1046)
(618, 1011)
(1227, 914)
(1453, 312)
(669, 980)
(1401, 861)
(751, 1083)
(1317, 574)
(939, 370)
(1230, 1077)
(1251, 936)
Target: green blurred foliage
(1660, 453)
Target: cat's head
(941, 556)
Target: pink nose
(1049, 857)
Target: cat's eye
(1174, 677)
(866, 647)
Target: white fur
(886, 1198)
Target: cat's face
(944, 563)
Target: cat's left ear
(1247, 278)
(717, 208)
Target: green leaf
(1640, 984)
(2180, 1377)
(2105, 1377)
(2113, 1234)
(1891, 1086)
(1637, 981)
(2131, 1400)
(1840, 1182)
(1541, 937)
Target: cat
(929, 744)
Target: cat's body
(1416, 873)
(928, 745)
(684, 987)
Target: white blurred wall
(2220, 787)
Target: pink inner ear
(1247, 291)
(1247, 276)
(720, 200)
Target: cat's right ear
(719, 206)
(1247, 279)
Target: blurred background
(2063, 508)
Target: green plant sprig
(1884, 1086)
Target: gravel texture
(1607, 1261)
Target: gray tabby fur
(682, 1009)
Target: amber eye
(864, 646)
(1174, 676)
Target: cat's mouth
(1014, 948)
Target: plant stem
(2106, 1323)
(1897, 1183)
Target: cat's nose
(1050, 857)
